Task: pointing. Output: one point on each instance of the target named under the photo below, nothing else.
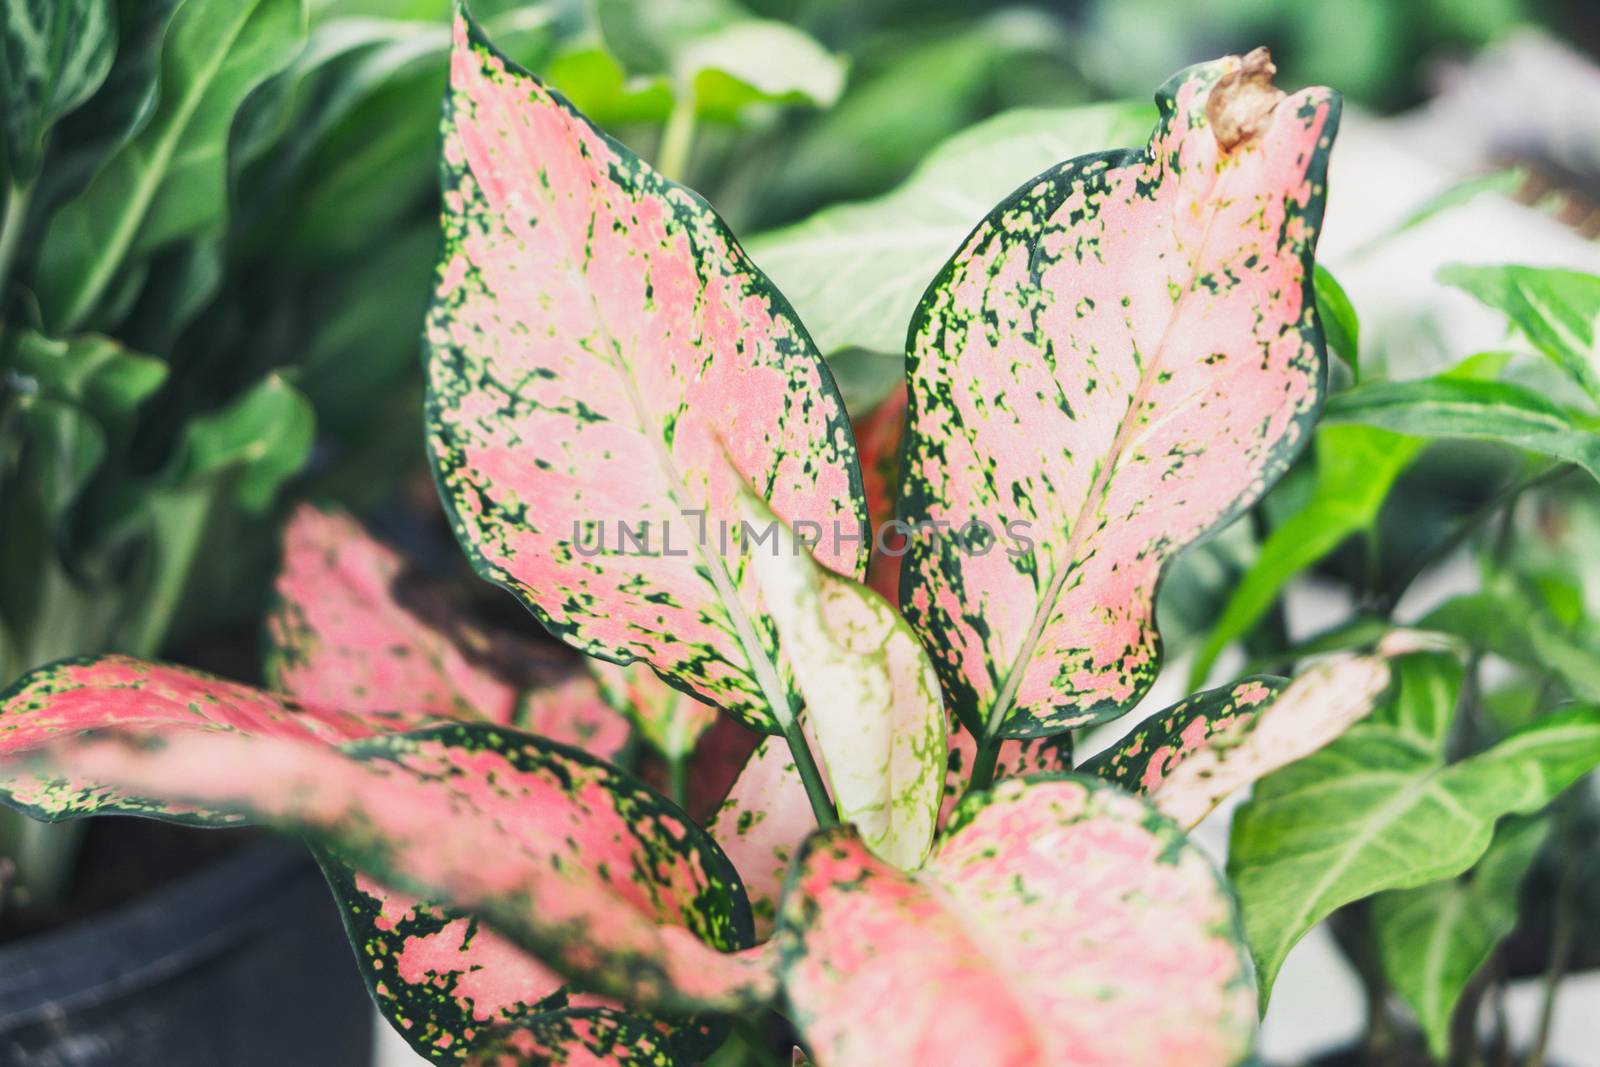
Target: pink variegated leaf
(762, 824)
(447, 983)
(604, 881)
(355, 627)
(1191, 756)
(1123, 356)
(591, 1037)
(872, 696)
(66, 699)
(601, 349)
(1060, 923)
(669, 719)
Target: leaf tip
(1239, 107)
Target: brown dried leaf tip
(1240, 105)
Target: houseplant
(680, 394)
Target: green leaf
(714, 53)
(759, 62)
(1339, 322)
(53, 55)
(1434, 938)
(1503, 618)
(856, 271)
(595, 82)
(1356, 467)
(259, 440)
(95, 373)
(170, 181)
(1453, 407)
(1380, 809)
(1555, 309)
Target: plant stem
(983, 765)
(11, 227)
(810, 776)
(756, 1044)
(677, 139)
(678, 778)
(1561, 939)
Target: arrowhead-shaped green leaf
(1434, 938)
(1381, 809)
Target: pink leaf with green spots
(65, 699)
(1122, 357)
(568, 857)
(669, 719)
(1060, 923)
(593, 1037)
(762, 824)
(872, 697)
(600, 343)
(447, 983)
(355, 627)
(1191, 756)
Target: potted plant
(633, 432)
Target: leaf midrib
(144, 188)
(762, 667)
(1097, 490)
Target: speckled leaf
(68, 698)
(1191, 756)
(356, 628)
(601, 349)
(762, 823)
(593, 1037)
(670, 720)
(448, 984)
(568, 857)
(439, 976)
(1120, 358)
(872, 697)
(1061, 923)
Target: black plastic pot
(241, 964)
